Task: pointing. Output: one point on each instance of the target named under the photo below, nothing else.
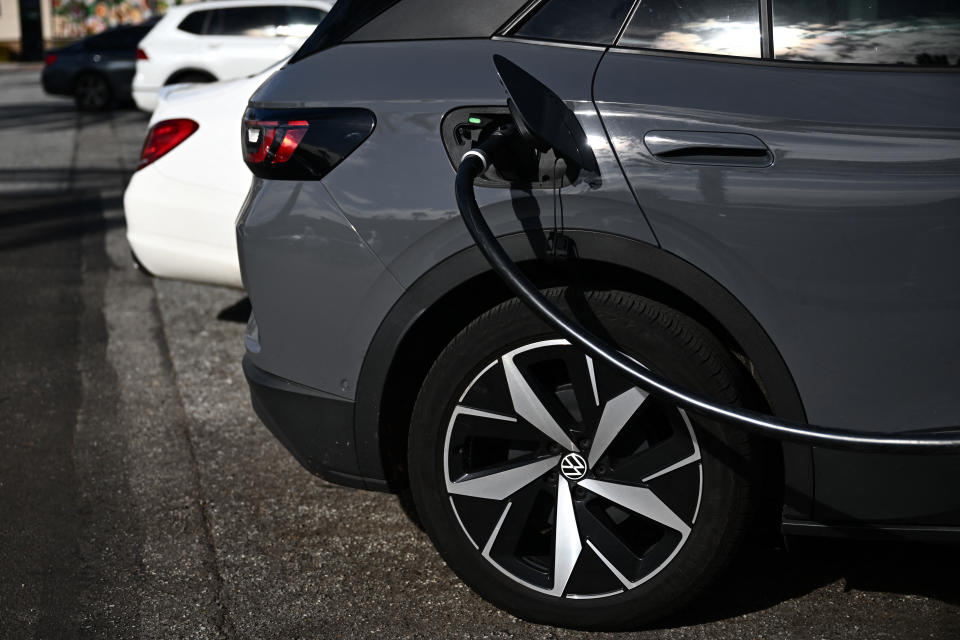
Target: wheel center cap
(573, 466)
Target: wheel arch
(86, 72)
(92, 72)
(446, 298)
(173, 78)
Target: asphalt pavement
(140, 497)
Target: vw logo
(573, 466)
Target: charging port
(465, 128)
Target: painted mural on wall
(79, 18)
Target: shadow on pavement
(764, 575)
(237, 312)
(761, 578)
(87, 178)
(63, 116)
(28, 219)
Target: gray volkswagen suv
(770, 221)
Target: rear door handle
(708, 147)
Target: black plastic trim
(316, 427)
(871, 531)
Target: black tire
(91, 92)
(694, 509)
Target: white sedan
(182, 202)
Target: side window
(257, 22)
(722, 27)
(594, 22)
(194, 23)
(300, 21)
(106, 41)
(912, 32)
(130, 38)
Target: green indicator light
(473, 120)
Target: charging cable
(475, 163)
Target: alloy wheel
(92, 92)
(565, 477)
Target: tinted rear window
(910, 32)
(194, 23)
(595, 22)
(258, 22)
(265, 21)
(300, 21)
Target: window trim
(763, 62)
(623, 27)
(553, 43)
(766, 30)
(518, 18)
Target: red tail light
(302, 144)
(262, 134)
(141, 54)
(50, 59)
(163, 137)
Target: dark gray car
(772, 223)
(97, 71)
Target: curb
(21, 66)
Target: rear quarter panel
(396, 190)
